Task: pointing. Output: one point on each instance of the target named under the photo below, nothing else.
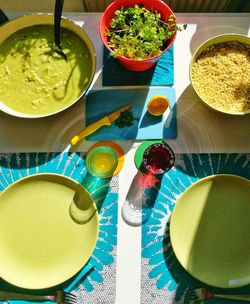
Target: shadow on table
(141, 197)
(185, 281)
(189, 103)
(205, 129)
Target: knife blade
(105, 121)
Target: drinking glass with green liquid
(101, 161)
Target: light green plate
(40, 244)
(210, 230)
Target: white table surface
(199, 128)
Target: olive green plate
(210, 230)
(40, 244)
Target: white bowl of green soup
(35, 81)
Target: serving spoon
(57, 27)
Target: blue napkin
(113, 74)
(100, 103)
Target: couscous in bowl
(220, 73)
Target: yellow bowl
(19, 23)
(205, 45)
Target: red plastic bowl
(108, 14)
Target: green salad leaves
(138, 33)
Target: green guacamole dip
(34, 79)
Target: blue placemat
(113, 74)
(99, 285)
(100, 103)
(163, 278)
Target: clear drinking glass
(158, 158)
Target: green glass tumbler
(101, 161)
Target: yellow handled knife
(105, 121)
